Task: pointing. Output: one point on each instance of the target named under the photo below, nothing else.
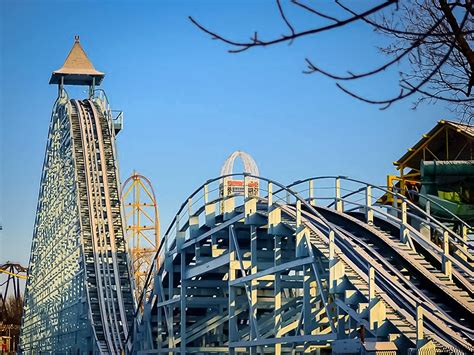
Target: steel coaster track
(106, 265)
(400, 295)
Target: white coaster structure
(78, 294)
(318, 266)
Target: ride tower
(78, 294)
(142, 227)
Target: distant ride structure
(142, 227)
(12, 274)
(12, 278)
(231, 185)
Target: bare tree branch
(285, 38)
(431, 43)
(314, 11)
(282, 14)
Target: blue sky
(188, 104)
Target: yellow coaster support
(143, 227)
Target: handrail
(395, 194)
(393, 284)
(429, 246)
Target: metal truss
(142, 226)
(78, 295)
(277, 273)
(14, 273)
(11, 304)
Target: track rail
(447, 317)
(105, 262)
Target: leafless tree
(12, 312)
(431, 40)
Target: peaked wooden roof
(77, 68)
(412, 156)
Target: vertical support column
(312, 200)
(369, 213)
(250, 202)
(425, 228)
(159, 319)
(393, 211)
(209, 208)
(307, 298)
(447, 267)
(182, 307)
(183, 303)
(246, 188)
(228, 202)
(299, 231)
(371, 283)
(463, 254)
(233, 331)
(253, 286)
(269, 204)
(332, 261)
(274, 213)
(403, 226)
(61, 87)
(339, 206)
(170, 307)
(277, 294)
(419, 326)
(92, 88)
(193, 221)
(270, 195)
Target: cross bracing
(78, 294)
(281, 274)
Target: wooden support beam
(277, 293)
(369, 212)
(447, 265)
(419, 326)
(253, 285)
(233, 330)
(312, 200)
(339, 203)
(404, 231)
(371, 283)
(182, 304)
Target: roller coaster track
(277, 273)
(101, 222)
(90, 306)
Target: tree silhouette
(430, 39)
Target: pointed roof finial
(77, 69)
